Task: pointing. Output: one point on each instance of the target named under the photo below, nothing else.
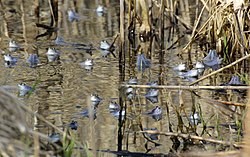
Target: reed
(225, 29)
(193, 137)
(188, 87)
(246, 149)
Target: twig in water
(193, 137)
(187, 87)
(222, 102)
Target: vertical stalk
(129, 22)
(122, 71)
(23, 18)
(122, 21)
(161, 25)
(53, 4)
(246, 128)
(37, 10)
(92, 127)
(122, 42)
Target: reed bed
(225, 29)
(159, 26)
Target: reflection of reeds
(193, 137)
(92, 127)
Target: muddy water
(63, 87)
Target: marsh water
(63, 87)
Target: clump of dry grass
(16, 135)
(13, 125)
(226, 28)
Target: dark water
(63, 87)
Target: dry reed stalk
(188, 87)
(218, 104)
(193, 137)
(36, 145)
(224, 102)
(246, 127)
(161, 27)
(5, 23)
(122, 15)
(53, 4)
(220, 101)
(225, 20)
(122, 55)
(205, 4)
(168, 112)
(221, 69)
(145, 26)
(198, 21)
(92, 127)
(37, 10)
(23, 19)
(200, 31)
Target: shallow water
(63, 87)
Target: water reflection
(13, 46)
(52, 54)
(155, 113)
(89, 112)
(100, 10)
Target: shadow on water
(71, 59)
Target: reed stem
(188, 87)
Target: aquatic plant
(68, 145)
